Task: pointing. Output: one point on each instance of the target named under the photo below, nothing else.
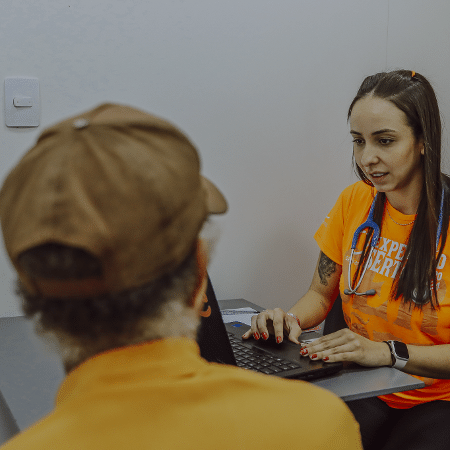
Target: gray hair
(81, 328)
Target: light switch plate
(22, 102)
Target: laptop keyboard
(257, 359)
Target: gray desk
(354, 382)
(29, 374)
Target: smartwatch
(399, 354)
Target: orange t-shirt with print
(378, 317)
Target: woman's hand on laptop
(277, 322)
(346, 345)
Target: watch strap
(392, 354)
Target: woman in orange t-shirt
(392, 276)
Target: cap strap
(70, 288)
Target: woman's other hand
(345, 345)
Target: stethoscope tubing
(370, 224)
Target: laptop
(222, 343)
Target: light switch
(22, 103)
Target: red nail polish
(265, 337)
(314, 356)
(256, 335)
(304, 352)
(326, 358)
(279, 340)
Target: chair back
(335, 318)
(8, 425)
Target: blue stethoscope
(369, 223)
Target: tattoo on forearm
(326, 268)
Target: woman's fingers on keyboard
(274, 321)
(292, 327)
(261, 323)
(253, 331)
(278, 322)
(294, 333)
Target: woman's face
(386, 149)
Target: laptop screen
(212, 336)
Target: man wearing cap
(101, 220)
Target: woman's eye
(358, 141)
(385, 141)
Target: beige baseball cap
(117, 182)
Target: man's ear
(199, 299)
(199, 294)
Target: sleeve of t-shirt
(330, 234)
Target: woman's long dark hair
(413, 94)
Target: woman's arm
(311, 309)
(431, 361)
(314, 306)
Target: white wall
(262, 87)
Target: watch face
(401, 349)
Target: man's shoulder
(269, 408)
(284, 390)
(293, 404)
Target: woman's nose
(369, 156)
